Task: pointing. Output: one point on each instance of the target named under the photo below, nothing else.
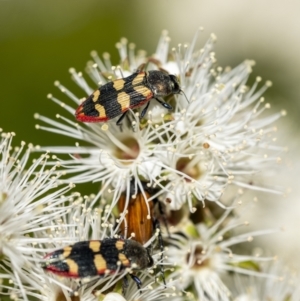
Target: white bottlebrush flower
(114, 297)
(80, 223)
(203, 259)
(283, 284)
(115, 159)
(153, 290)
(215, 135)
(35, 285)
(29, 196)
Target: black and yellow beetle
(117, 97)
(98, 258)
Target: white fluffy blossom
(29, 195)
(218, 136)
(282, 284)
(203, 257)
(80, 223)
(217, 133)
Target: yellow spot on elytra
(124, 260)
(147, 93)
(96, 95)
(138, 79)
(95, 245)
(100, 110)
(119, 84)
(100, 263)
(67, 252)
(73, 266)
(120, 245)
(124, 100)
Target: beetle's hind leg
(164, 104)
(119, 121)
(136, 280)
(145, 110)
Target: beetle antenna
(142, 67)
(181, 91)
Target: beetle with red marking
(117, 97)
(98, 258)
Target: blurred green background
(41, 40)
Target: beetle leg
(161, 245)
(164, 104)
(136, 280)
(145, 109)
(120, 120)
(163, 216)
(124, 285)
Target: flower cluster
(176, 171)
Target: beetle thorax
(160, 83)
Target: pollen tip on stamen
(250, 63)
(36, 116)
(93, 53)
(49, 95)
(37, 127)
(106, 55)
(269, 83)
(283, 113)
(104, 127)
(72, 70)
(131, 46)
(56, 83)
(213, 36)
(124, 40)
